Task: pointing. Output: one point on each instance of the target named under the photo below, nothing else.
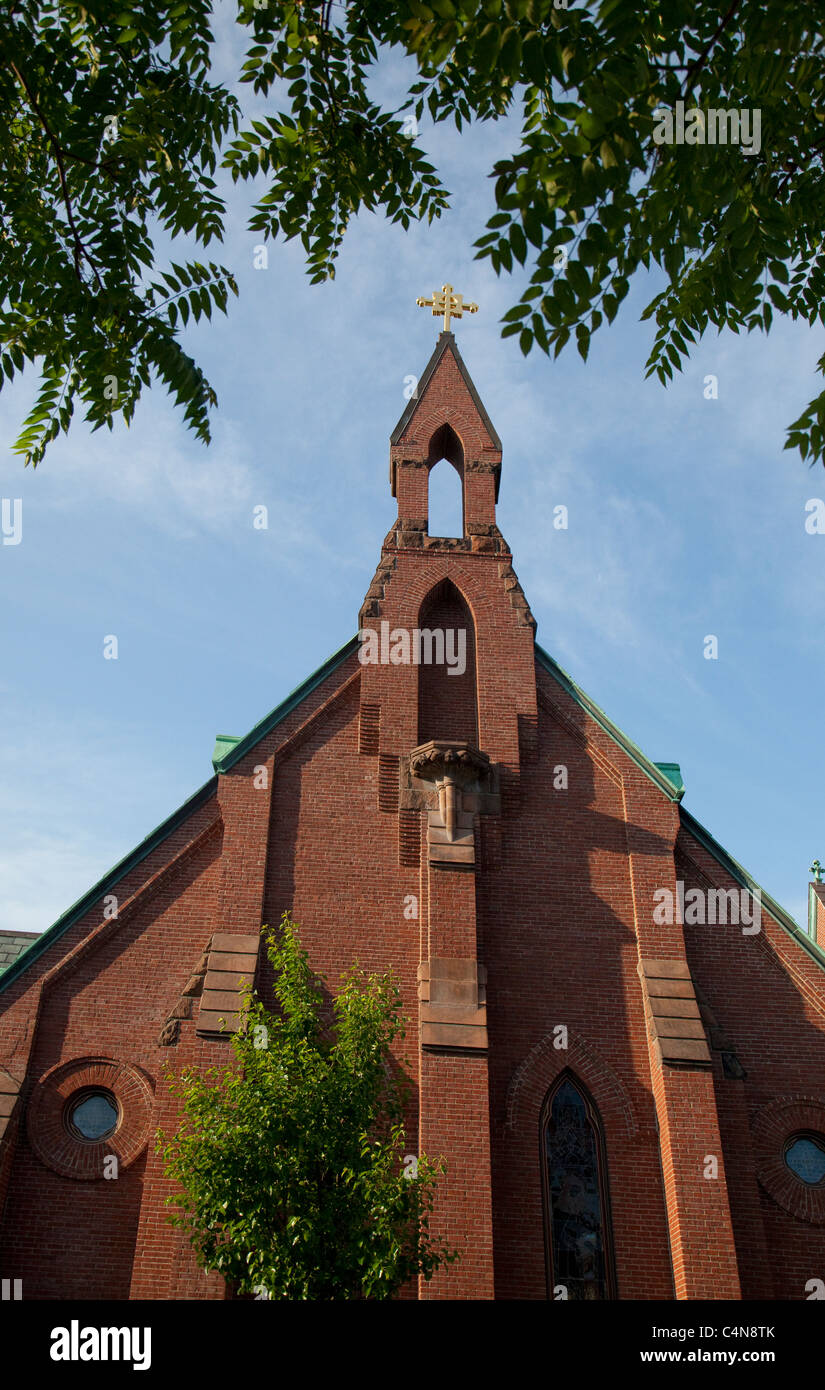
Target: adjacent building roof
(12, 946)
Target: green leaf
(533, 58)
(518, 243)
(326, 147)
(487, 47)
(509, 59)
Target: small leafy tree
(291, 1166)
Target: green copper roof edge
(271, 720)
(690, 822)
(71, 915)
(225, 743)
(671, 775)
(612, 730)
(203, 794)
(736, 871)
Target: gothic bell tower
(448, 708)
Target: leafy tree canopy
(293, 1183)
(726, 201)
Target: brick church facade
(617, 1043)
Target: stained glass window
(574, 1194)
(805, 1156)
(93, 1116)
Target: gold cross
(444, 302)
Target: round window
(93, 1115)
(805, 1156)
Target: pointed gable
(445, 396)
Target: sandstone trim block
(674, 1021)
(217, 1003)
(453, 1004)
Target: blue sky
(686, 518)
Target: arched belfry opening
(445, 444)
(447, 702)
(445, 484)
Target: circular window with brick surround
(85, 1113)
(789, 1139)
(805, 1156)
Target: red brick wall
(767, 996)
(557, 933)
(76, 1239)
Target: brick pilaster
(696, 1195)
(454, 1107)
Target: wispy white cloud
(43, 875)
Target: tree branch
(699, 62)
(80, 252)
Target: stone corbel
(458, 771)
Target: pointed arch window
(447, 703)
(576, 1207)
